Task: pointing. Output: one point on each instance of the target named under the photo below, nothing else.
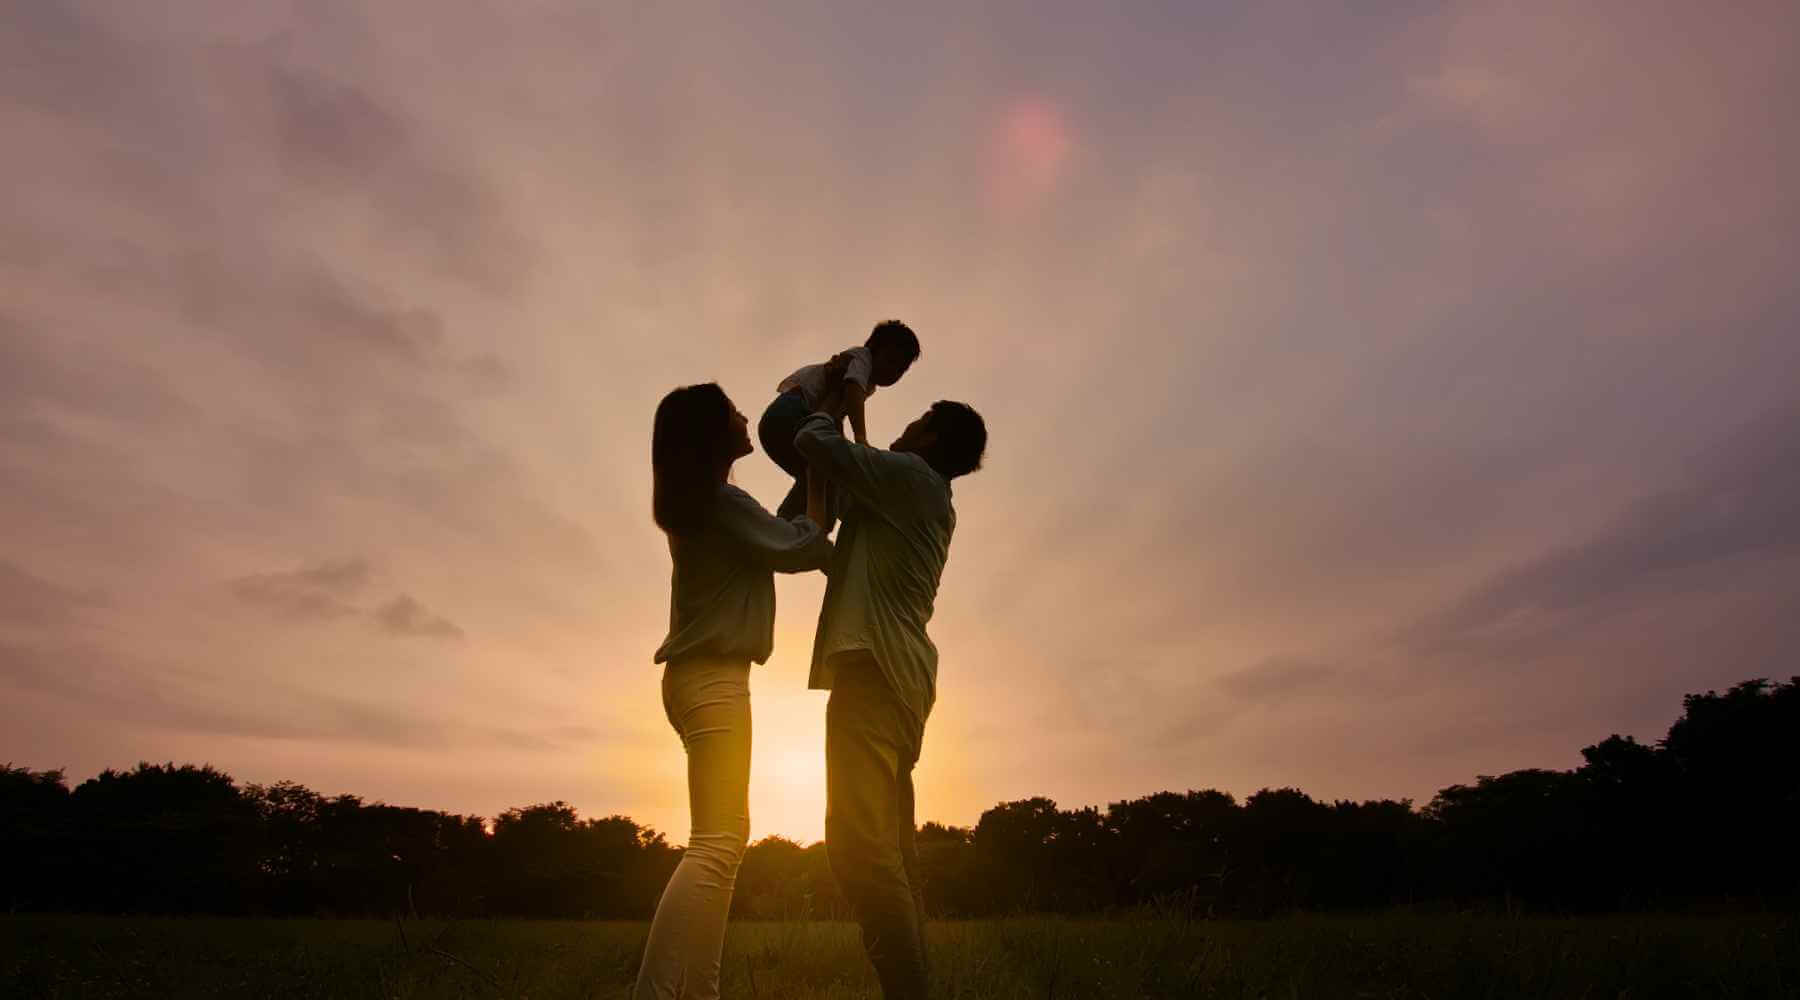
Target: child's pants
(708, 703)
(780, 422)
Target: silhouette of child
(845, 381)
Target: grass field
(1379, 956)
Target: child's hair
(688, 444)
(893, 335)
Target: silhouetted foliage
(555, 864)
(162, 836)
(35, 851)
(780, 879)
(1707, 816)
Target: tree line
(1708, 815)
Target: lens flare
(1028, 153)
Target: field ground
(1395, 955)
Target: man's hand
(832, 401)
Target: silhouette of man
(874, 656)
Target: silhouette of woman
(726, 548)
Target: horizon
(1377, 399)
(1769, 685)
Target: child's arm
(854, 394)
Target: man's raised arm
(855, 467)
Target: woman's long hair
(690, 448)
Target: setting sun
(787, 770)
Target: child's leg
(776, 430)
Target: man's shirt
(890, 556)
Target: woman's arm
(768, 541)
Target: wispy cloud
(405, 616)
(29, 599)
(1275, 679)
(1739, 501)
(311, 593)
(324, 592)
(145, 695)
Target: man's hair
(961, 438)
(893, 335)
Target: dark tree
(1175, 849)
(953, 885)
(165, 838)
(1515, 836)
(1012, 848)
(1706, 816)
(1737, 760)
(781, 880)
(550, 862)
(35, 856)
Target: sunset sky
(1379, 394)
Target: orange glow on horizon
(787, 763)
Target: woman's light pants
(708, 703)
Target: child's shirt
(811, 380)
